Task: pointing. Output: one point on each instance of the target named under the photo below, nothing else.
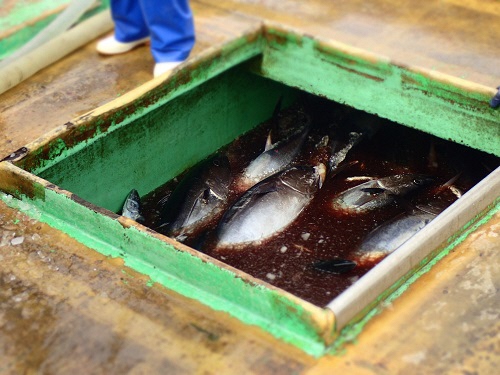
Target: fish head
(306, 180)
(404, 183)
(422, 180)
(218, 177)
(203, 206)
(132, 203)
(199, 194)
(132, 206)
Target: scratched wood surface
(64, 308)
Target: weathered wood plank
(85, 80)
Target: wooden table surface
(64, 307)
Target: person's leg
(129, 20)
(172, 29)
(131, 29)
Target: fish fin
(370, 194)
(213, 193)
(203, 196)
(132, 195)
(335, 266)
(360, 178)
(452, 180)
(160, 227)
(163, 200)
(449, 185)
(335, 171)
(373, 190)
(202, 199)
(269, 143)
(429, 208)
(217, 176)
(261, 188)
(275, 120)
(456, 191)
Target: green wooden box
(76, 177)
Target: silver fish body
(132, 206)
(274, 159)
(392, 234)
(270, 206)
(197, 199)
(379, 192)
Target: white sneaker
(164, 67)
(111, 46)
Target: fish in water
(269, 206)
(132, 207)
(197, 200)
(380, 242)
(275, 158)
(379, 192)
(392, 234)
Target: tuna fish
(270, 206)
(380, 242)
(392, 234)
(275, 158)
(379, 192)
(132, 207)
(197, 200)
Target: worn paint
(191, 274)
(19, 182)
(90, 127)
(156, 151)
(444, 106)
(199, 277)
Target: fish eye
(418, 181)
(206, 195)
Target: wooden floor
(64, 307)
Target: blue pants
(169, 23)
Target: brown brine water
(320, 232)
